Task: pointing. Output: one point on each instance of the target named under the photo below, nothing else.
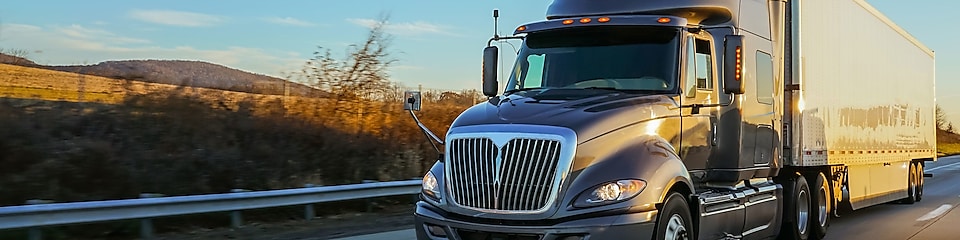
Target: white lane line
(931, 169)
(935, 213)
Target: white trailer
(864, 101)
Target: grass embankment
(42, 84)
(113, 139)
(35, 83)
(948, 143)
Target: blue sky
(437, 43)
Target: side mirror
(411, 100)
(490, 84)
(733, 64)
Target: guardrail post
(369, 203)
(146, 225)
(236, 220)
(416, 197)
(35, 233)
(309, 213)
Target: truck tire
(822, 206)
(674, 221)
(796, 210)
(911, 186)
(918, 194)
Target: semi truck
(686, 119)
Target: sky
(437, 43)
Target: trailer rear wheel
(822, 206)
(911, 185)
(919, 190)
(796, 209)
(674, 221)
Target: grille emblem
(497, 165)
(498, 142)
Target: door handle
(886, 164)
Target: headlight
(610, 192)
(430, 187)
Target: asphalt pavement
(935, 217)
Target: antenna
(496, 23)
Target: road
(935, 217)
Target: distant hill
(191, 74)
(14, 60)
(181, 73)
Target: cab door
(699, 88)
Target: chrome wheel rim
(919, 180)
(912, 186)
(803, 211)
(822, 207)
(675, 228)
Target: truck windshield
(639, 59)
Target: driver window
(704, 65)
(690, 83)
(699, 67)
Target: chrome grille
(521, 179)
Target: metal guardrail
(32, 216)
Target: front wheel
(674, 221)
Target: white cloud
(404, 28)
(289, 21)
(19, 28)
(176, 18)
(80, 32)
(406, 68)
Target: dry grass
(42, 84)
(948, 143)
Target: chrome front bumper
(624, 226)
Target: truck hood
(589, 117)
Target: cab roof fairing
(707, 12)
(614, 21)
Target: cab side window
(704, 65)
(690, 87)
(764, 78)
(699, 67)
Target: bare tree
(941, 118)
(14, 56)
(358, 77)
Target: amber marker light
(568, 22)
(603, 19)
(585, 20)
(521, 28)
(663, 20)
(739, 63)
